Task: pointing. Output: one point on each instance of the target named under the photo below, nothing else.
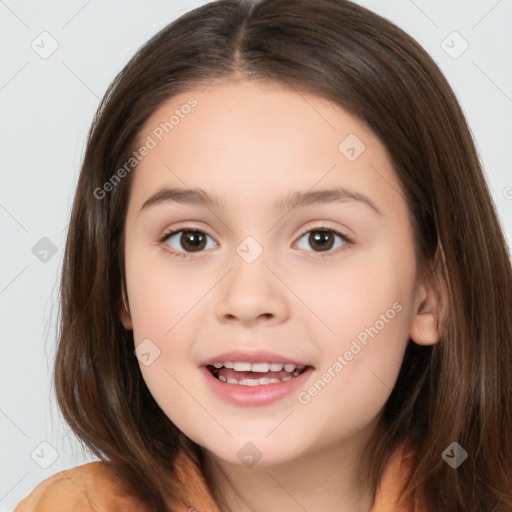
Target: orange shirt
(93, 487)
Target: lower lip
(262, 394)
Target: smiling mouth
(255, 374)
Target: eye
(323, 239)
(192, 240)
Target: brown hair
(460, 389)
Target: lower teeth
(258, 382)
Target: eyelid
(305, 230)
(321, 226)
(185, 227)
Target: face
(328, 283)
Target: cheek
(161, 296)
(165, 307)
(366, 309)
(359, 371)
(352, 297)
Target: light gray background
(46, 108)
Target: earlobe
(425, 327)
(423, 330)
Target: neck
(324, 480)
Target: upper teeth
(258, 367)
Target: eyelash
(347, 240)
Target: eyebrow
(297, 199)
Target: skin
(253, 142)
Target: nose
(251, 293)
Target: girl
(285, 286)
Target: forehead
(258, 138)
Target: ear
(428, 312)
(124, 314)
(125, 317)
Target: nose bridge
(251, 290)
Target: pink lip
(260, 356)
(264, 394)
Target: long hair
(459, 389)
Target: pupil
(318, 238)
(192, 240)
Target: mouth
(254, 378)
(255, 374)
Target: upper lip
(260, 356)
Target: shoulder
(87, 488)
